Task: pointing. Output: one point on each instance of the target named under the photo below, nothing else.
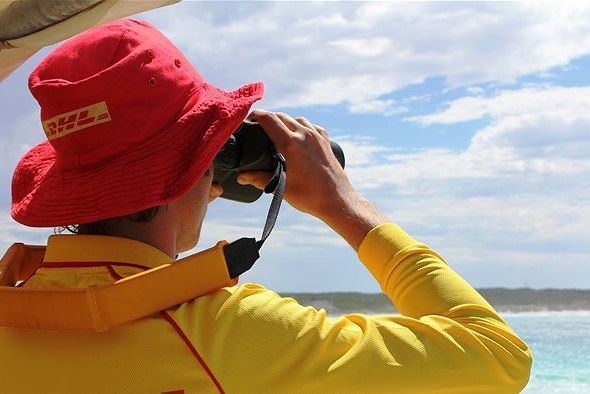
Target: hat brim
(153, 173)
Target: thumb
(258, 179)
(215, 191)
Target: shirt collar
(92, 248)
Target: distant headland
(503, 299)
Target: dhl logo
(76, 120)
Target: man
(132, 130)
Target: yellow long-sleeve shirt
(247, 339)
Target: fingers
(305, 122)
(281, 127)
(323, 132)
(276, 129)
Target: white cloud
(356, 52)
(17, 138)
(517, 196)
(363, 47)
(385, 107)
(564, 102)
(542, 130)
(361, 150)
(12, 232)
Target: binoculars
(249, 149)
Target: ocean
(561, 350)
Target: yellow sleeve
(448, 339)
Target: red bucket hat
(130, 124)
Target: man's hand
(316, 182)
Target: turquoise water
(561, 350)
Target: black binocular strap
(240, 255)
(277, 185)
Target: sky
(466, 123)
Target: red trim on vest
(113, 273)
(193, 350)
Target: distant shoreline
(523, 300)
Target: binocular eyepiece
(249, 149)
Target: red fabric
(193, 350)
(131, 124)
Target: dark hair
(100, 227)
